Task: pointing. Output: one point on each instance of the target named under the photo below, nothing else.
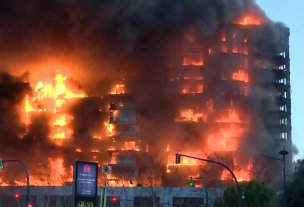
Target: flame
(241, 175)
(232, 117)
(118, 89)
(187, 161)
(190, 115)
(50, 96)
(78, 150)
(193, 61)
(240, 75)
(249, 21)
(168, 148)
(53, 174)
(110, 128)
(197, 90)
(226, 139)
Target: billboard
(85, 184)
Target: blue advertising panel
(85, 184)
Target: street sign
(106, 169)
(85, 184)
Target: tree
(255, 194)
(152, 180)
(294, 189)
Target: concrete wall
(165, 194)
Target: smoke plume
(105, 40)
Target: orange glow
(239, 49)
(78, 150)
(50, 95)
(110, 128)
(231, 118)
(224, 49)
(118, 89)
(226, 139)
(224, 38)
(53, 174)
(189, 115)
(249, 21)
(197, 90)
(188, 161)
(130, 145)
(241, 175)
(193, 61)
(240, 75)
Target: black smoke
(112, 38)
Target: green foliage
(256, 194)
(295, 188)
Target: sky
(291, 13)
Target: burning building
(213, 82)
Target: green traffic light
(243, 197)
(191, 184)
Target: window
(283, 135)
(283, 54)
(283, 108)
(145, 201)
(282, 67)
(187, 201)
(283, 121)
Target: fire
(188, 161)
(226, 139)
(50, 96)
(189, 115)
(193, 61)
(196, 90)
(62, 120)
(118, 89)
(240, 75)
(241, 175)
(52, 174)
(250, 21)
(110, 128)
(232, 117)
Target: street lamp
(283, 152)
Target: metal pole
(284, 181)
(27, 178)
(206, 188)
(221, 164)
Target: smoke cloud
(104, 40)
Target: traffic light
(16, 195)
(243, 195)
(191, 182)
(1, 164)
(178, 157)
(29, 205)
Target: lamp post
(283, 152)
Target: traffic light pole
(27, 178)
(206, 189)
(221, 164)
